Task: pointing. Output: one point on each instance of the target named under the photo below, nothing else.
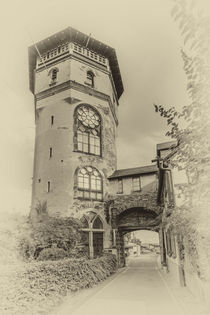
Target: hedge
(39, 286)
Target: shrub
(37, 287)
(52, 253)
(64, 232)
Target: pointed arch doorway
(94, 235)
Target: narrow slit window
(51, 152)
(48, 187)
(52, 120)
(120, 186)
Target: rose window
(88, 130)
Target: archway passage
(134, 219)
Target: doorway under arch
(93, 234)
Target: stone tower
(76, 84)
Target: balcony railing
(71, 48)
(89, 53)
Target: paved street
(139, 289)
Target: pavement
(137, 289)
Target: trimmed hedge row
(40, 286)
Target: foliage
(48, 231)
(13, 228)
(55, 230)
(52, 253)
(22, 240)
(41, 208)
(191, 128)
(37, 287)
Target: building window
(88, 130)
(136, 182)
(97, 224)
(50, 152)
(120, 186)
(89, 182)
(90, 79)
(52, 120)
(48, 186)
(92, 236)
(53, 76)
(169, 242)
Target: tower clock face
(88, 117)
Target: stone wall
(147, 200)
(137, 218)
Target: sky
(147, 44)
(146, 236)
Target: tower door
(98, 244)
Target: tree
(191, 129)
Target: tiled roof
(134, 171)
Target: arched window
(97, 224)
(88, 130)
(92, 235)
(90, 79)
(89, 183)
(53, 75)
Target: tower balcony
(67, 49)
(72, 42)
